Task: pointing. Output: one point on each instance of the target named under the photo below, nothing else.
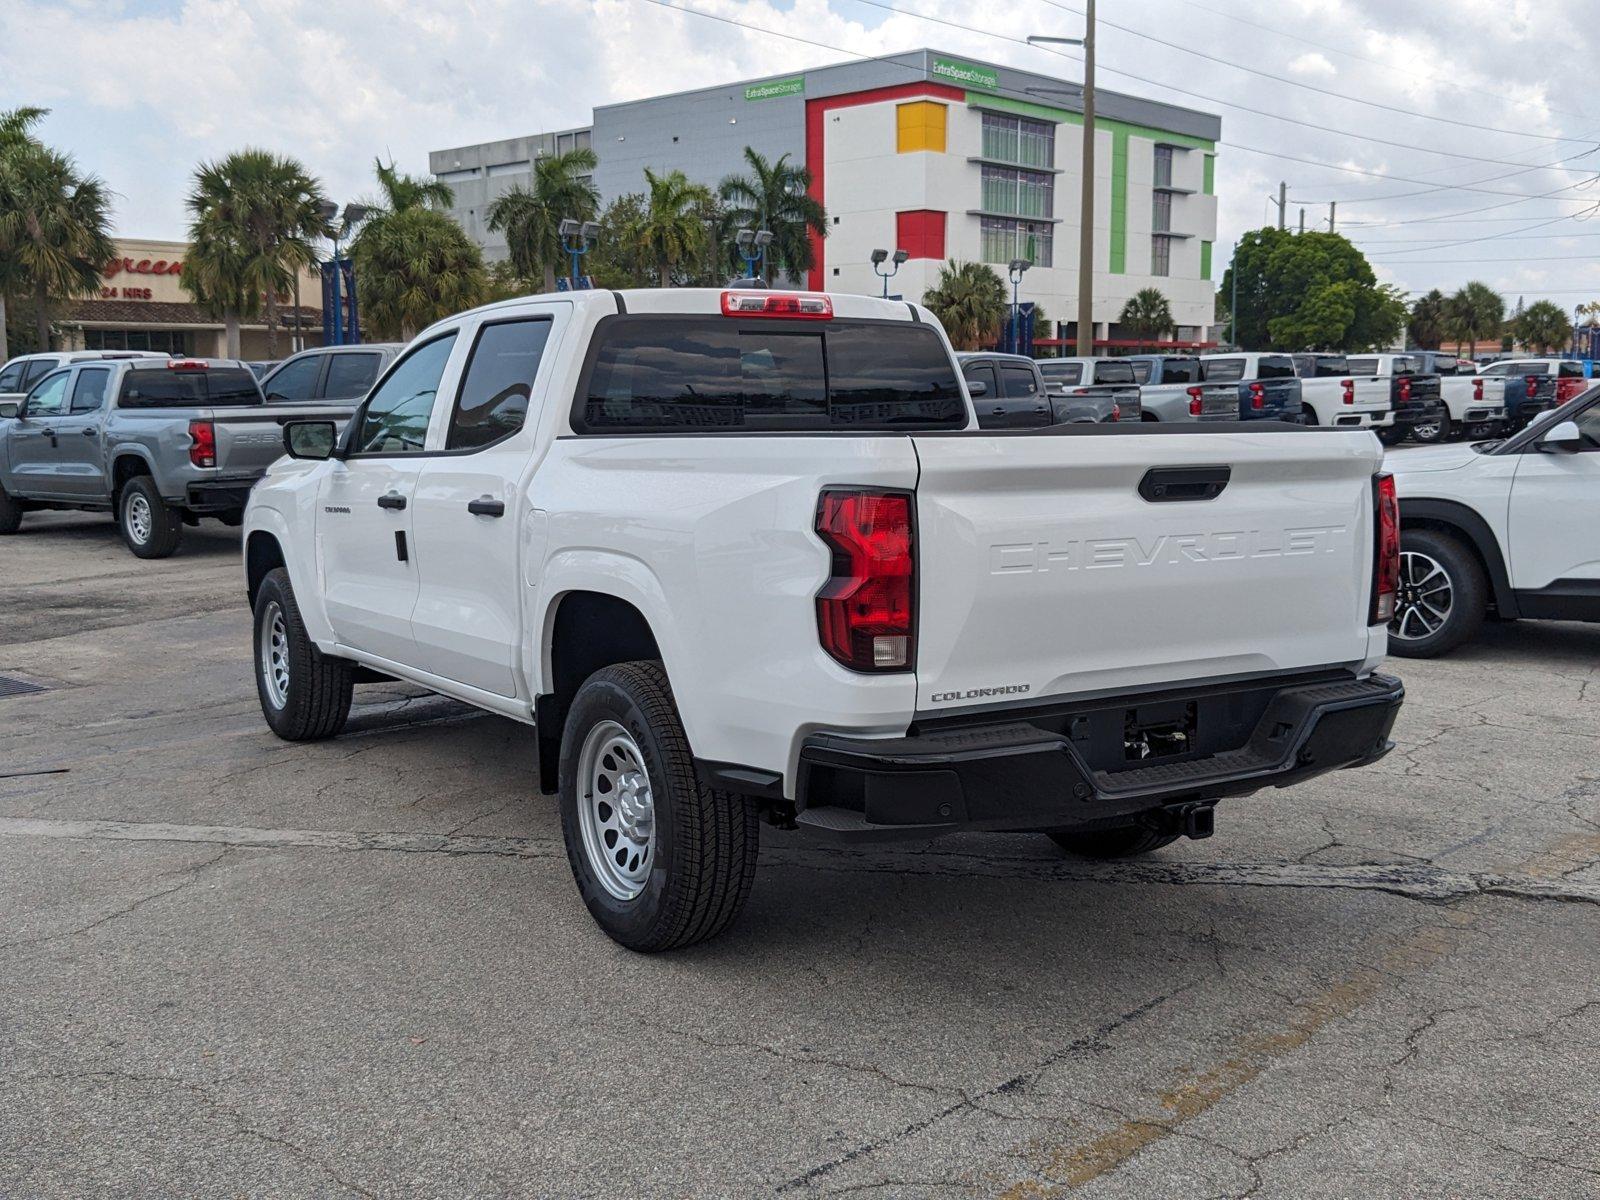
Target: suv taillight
(1386, 554)
(1196, 405)
(202, 443)
(1257, 395)
(865, 615)
(1349, 386)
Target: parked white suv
(745, 554)
(1503, 526)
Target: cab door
(80, 453)
(364, 517)
(474, 532)
(1553, 532)
(31, 438)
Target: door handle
(393, 500)
(486, 506)
(89, 431)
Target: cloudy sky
(1453, 133)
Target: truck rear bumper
(1077, 766)
(219, 495)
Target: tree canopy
(776, 195)
(970, 301)
(1309, 291)
(530, 217)
(1147, 315)
(1543, 326)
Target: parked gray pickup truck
(158, 443)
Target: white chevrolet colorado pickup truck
(746, 554)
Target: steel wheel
(275, 654)
(1425, 597)
(138, 518)
(616, 810)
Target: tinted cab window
(294, 381)
(1277, 367)
(11, 377)
(350, 375)
(168, 387)
(1223, 370)
(48, 399)
(395, 418)
(1062, 374)
(493, 401)
(89, 390)
(1113, 372)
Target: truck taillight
(1477, 391)
(1349, 386)
(865, 610)
(1116, 412)
(1258, 395)
(202, 443)
(1533, 385)
(1195, 403)
(1405, 388)
(802, 306)
(1386, 557)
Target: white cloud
(1313, 65)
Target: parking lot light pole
(577, 237)
(1017, 269)
(352, 216)
(879, 257)
(1086, 208)
(752, 244)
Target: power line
(1311, 87)
(1492, 237)
(1423, 262)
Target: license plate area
(1152, 732)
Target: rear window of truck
(1222, 370)
(1177, 370)
(1275, 368)
(1322, 366)
(1113, 372)
(163, 387)
(694, 374)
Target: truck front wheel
(1443, 595)
(305, 695)
(151, 527)
(10, 513)
(661, 860)
(1125, 841)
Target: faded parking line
(1415, 881)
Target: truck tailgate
(1044, 572)
(250, 439)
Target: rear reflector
(801, 306)
(864, 611)
(202, 443)
(1386, 557)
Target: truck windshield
(691, 374)
(162, 387)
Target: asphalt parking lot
(233, 966)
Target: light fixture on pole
(752, 244)
(577, 237)
(339, 226)
(879, 257)
(1086, 209)
(1017, 269)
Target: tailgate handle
(1168, 485)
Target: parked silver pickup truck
(158, 443)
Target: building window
(1004, 239)
(1161, 212)
(1019, 140)
(164, 341)
(920, 233)
(1021, 193)
(1163, 166)
(920, 125)
(1160, 255)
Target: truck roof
(706, 301)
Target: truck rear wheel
(305, 694)
(1431, 431)
(661, 860)
(1392, 435)
(10, 513)
(150, 526)
(1443, 595)
(1125, 841)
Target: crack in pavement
(1413, 881)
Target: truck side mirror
(310, 439)
(10, 408)
(977, 387)
(1565, 438)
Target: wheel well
(1461, 536)
(1151, 417)
(591, 630)
(261, 554)
(127, 466)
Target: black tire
(1125, 841)
(703, 841)
(1465, 604)
(313, 700)
(1392, 435)
(10, 513)
(150, 526)
(1308, 415)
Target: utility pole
(1283, 204)
(1086, 206)
(1333, 207)
(1302, 220)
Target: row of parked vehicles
(1423, 396)
(745, 556)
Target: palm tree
(416, 265)
(1429, 317)
(1147, 315)
(671, 229)
(254, 219)
(776, 196)
(54, 223)
(531, 216)
(970, 301)
(1476, 312)
(1542, 326)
